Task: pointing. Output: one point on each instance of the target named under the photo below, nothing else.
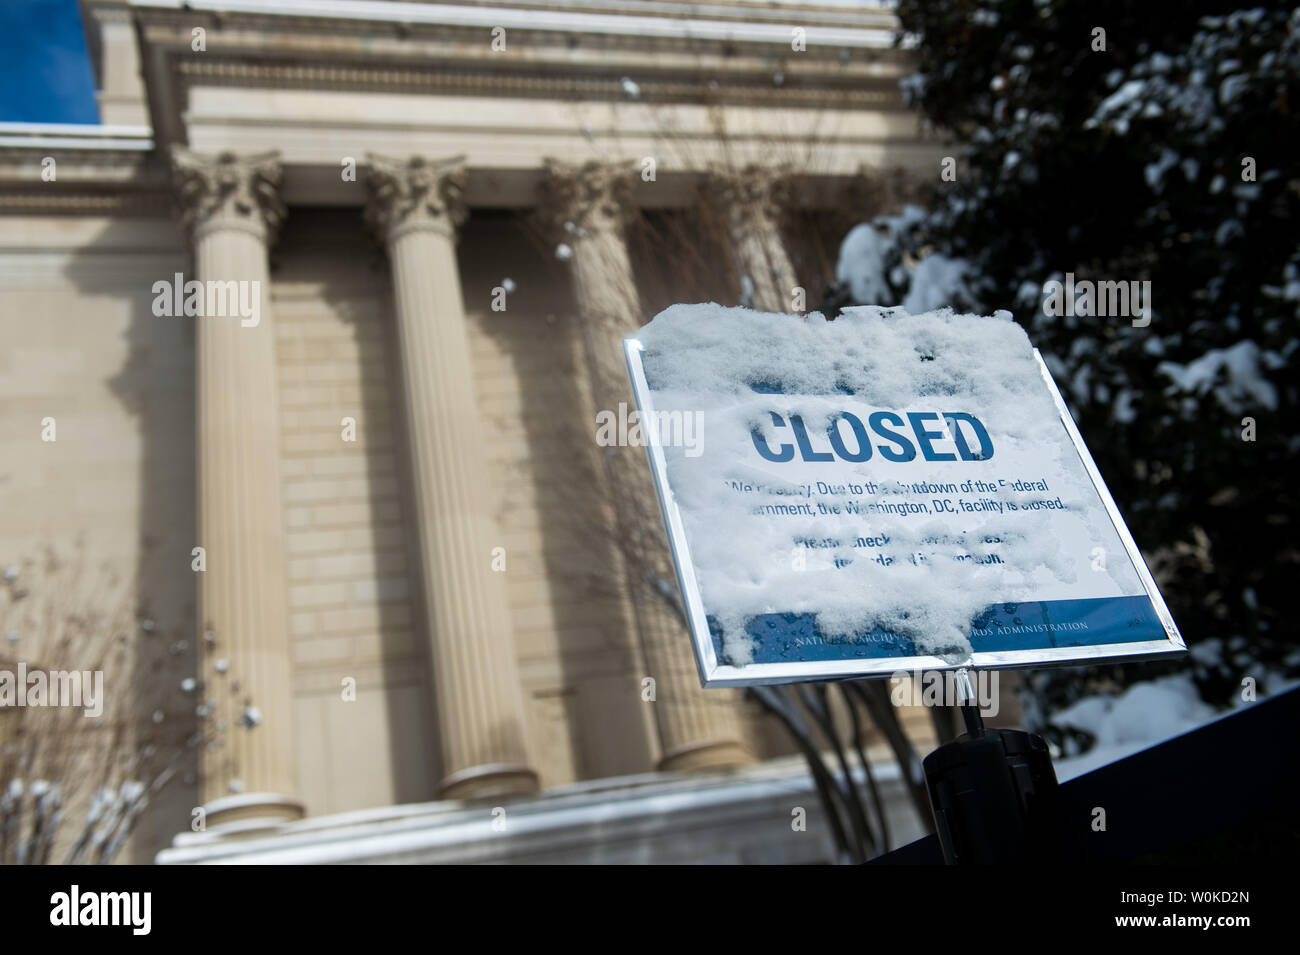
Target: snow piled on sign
(738, 366)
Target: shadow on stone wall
(156, 386)
(348, 272)
(598, 699)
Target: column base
(248, 812)
(489, 781)
(716, 754)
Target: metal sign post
(993, 792)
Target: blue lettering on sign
(851, 440)
(1083, 622)
(786, 453)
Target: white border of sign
(713, 673)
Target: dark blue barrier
(1226, 792)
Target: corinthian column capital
(751, 195)
(229, 191)
(416, 194)
(587, 197)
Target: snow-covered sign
(881, 492)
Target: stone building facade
(443, 217)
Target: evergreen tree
(1134, 142)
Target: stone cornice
(414, 194)
(105, 156)
(25, 165)
(862, 16)
(96, 172)
(229, 191)
(267, 48)
(770, 24)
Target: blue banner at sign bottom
(794, 637)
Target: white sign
(929, 505)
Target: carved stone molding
(87, 203)
(416, 193)
(229, 191)
(867, 92)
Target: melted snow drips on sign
(765, 537)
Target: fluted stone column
(751, 200)
(698, 729)
(416, 207)
(231, 207)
